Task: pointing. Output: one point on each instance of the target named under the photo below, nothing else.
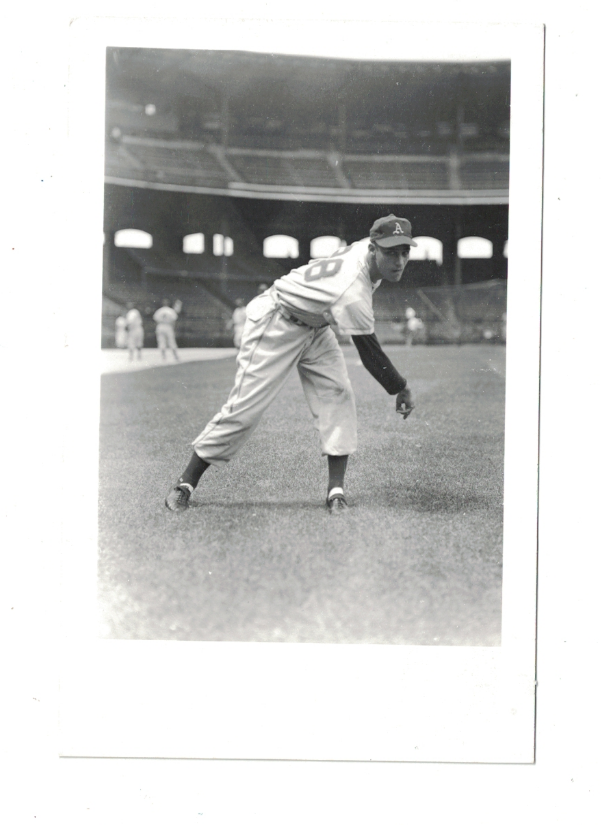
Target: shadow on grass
(272, 506)
(425, 498)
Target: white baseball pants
(165, 337)
(271, 346)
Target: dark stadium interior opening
(285, 246)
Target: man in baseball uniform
(135, 331)
(237, 321)
(292, 325)
(121, 332)
(165, 319)
(414, 325)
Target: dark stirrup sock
(337, 469)
(193, 471)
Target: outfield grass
(416, 560)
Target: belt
(290, 317)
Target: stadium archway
(194, 244)
(133, 239)
(427, 249)
(474, 247)
(222, 245)
(325, 245)
(280, 246)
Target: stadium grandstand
(224, 170)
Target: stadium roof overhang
(315, 194)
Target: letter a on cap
(397, 229)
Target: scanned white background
(302, 701)
(560, 786)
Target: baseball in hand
(404, 403)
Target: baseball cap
(391, 231)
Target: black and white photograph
(304, 418)
(216, 644)
(353, 447)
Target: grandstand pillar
(304, 249)
(499, 261)
(107, 255)
(225, 120)
(342, 128)
(457, 235)
(449, 234)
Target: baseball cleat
(336, 504)
(178, 497)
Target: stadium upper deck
(273, 126)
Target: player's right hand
(404, 402)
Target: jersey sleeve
(133, 319)
(352, 313)
(378, 364)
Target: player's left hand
(404, 402)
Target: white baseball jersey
(121, 331)
(336, 290)
(134, 320)
(239, 316)
(413, 324)
(165, 315)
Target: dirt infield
(416, 560)
(117, 360)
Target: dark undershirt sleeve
(378, 363)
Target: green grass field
(416, 560)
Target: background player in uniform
(135, 331)
(237, 321)
(414, 325)
(292, 325)
(121, 332)
(165, 319)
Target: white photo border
(225, 700)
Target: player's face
(391, 262)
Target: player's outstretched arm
(377, 363)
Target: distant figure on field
(121, 332)
(165, 319)
(261, 288)
(414, 324)
(135, 331)
(237, 321)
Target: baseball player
(237, 321)
(135, 331)
(121, 332)
(291, 325)
(414, 325)
(165, 319)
